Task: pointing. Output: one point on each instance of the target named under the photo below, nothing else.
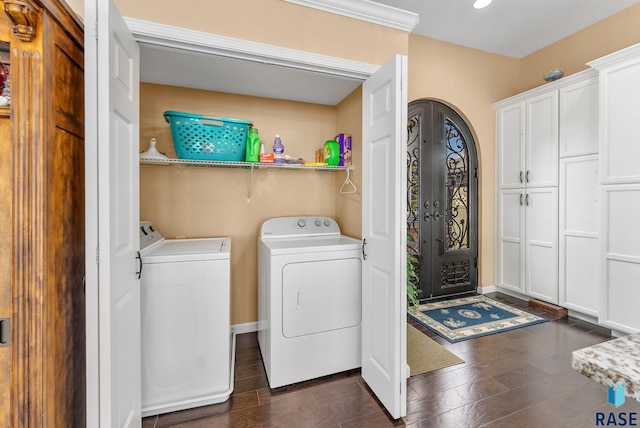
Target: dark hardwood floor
(519, 378)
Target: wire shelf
(245, 165)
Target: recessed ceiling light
(479, 4)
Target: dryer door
(321, 296)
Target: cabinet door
(511, 240)
(112, 218)
(510, 146)
(619, 113)
(620, 257)
(579, 245)
(541, 252)
(579, 118)
(541, 141)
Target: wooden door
(384, 293)
(5, 267)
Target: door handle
(139, 257)
(436, 215)
(5, 332)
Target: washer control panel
(281, 227)
(148, 234)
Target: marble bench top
(611, 362)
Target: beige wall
(279, 23)
(470, 81)
(210, 202)
(201, 202)
(196, 202)
(572, 53)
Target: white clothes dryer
(309, 299)
(186, 342)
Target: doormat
(469, 317)
(425, 355)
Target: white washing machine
(309, 299)
(187, 345)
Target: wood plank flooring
(521, 378)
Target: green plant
(412, 277)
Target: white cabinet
(527, 242)
(510, 248)
(579, 117)
(541, 249)
(620, 257)
(540, 221)
(579, 245)
(528, 142)
(579, 224)
(541, 140)
(527, 159)
(619, 145)
(619, 75)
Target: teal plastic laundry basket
(208, 138)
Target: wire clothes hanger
(348, 186)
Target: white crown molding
(208, 43)
(366, 10)
(625, 54)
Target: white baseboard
(486, 289)
(248, 327)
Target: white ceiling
(513, 28)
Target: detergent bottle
(253, 146)
(332, 153)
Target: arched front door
(442, 215)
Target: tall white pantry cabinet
(547, 193)
(619, 79)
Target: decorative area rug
(469, 317)
(425, 355)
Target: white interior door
(112, 214)
(384, 302)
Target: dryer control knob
(301, 223)
(327, 223)
(318, 223)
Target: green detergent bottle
(252, 153)
(332, 153)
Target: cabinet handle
(520, 176)
(364, 254)
(526, 200)
(528, 175)
(520, 199)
